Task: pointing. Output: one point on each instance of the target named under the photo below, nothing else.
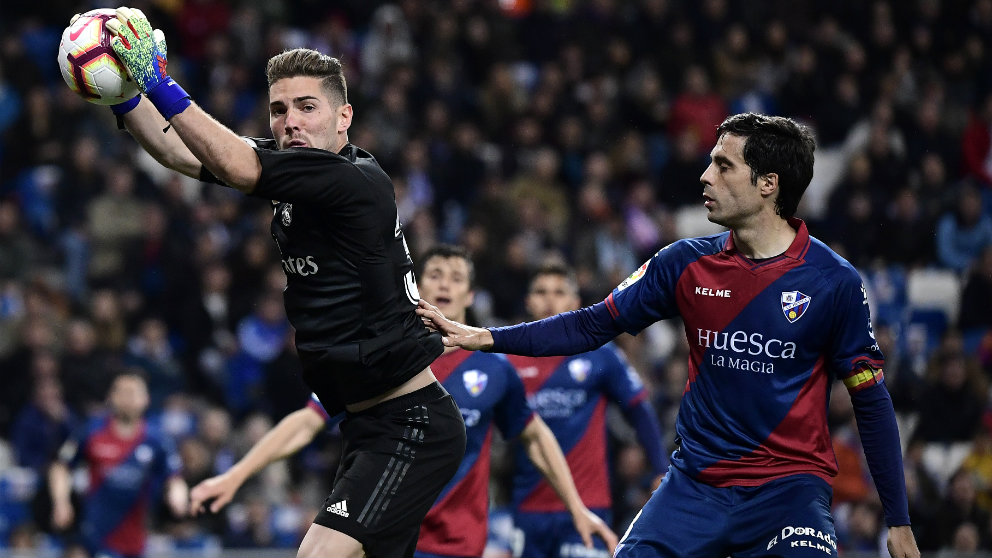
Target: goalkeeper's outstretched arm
(158, 138)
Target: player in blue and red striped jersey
(487, 390)
(129, 465)
(772, 317)
(571, 394)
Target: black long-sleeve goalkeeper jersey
(351, 291)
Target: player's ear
(471, 298)
(346, 113)
(768, 183)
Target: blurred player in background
(129, 466)
(351, 293)
(772, 316)
(571, 395)
(487, 391)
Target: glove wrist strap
(169, 98)
(127, 106)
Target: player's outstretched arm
(157, 137)
(455, 334)
(294, 431)
(902, 542)
(214, 145)
(149, 128)
(543, 450)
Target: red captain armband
(865, 378)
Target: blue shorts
(552, 534)
(784, 517)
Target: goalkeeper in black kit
(351, 292)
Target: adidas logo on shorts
(341, 508)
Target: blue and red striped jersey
(487, 391)
(570, 394)
(766, 339)
(126, 476)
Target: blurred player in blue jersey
(772, 317)
(487, 390)
(129, 465)
(571, 394)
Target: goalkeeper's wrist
(169, 98)
(120, 109)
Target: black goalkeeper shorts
(398, 456)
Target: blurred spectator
(114, 219)
(679, 182)
(697, 109)
(935, 193)
(42, 425)
(388, 44)
(976, 143)
(959, 507)
(206, 327)
(965, 232)
(927, 135)
(908, 235)
(37, 339)
(979, 464)
(858, 528)
(950, 411)
(922, 494)
(215, 431)
(976, 297)
(108, 319)
(151, 351)
(18, 249)
(86, 368)
(261, 337)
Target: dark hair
(447, 251)
(309, 63)
(135, 372)
(775, 144)
(557, 269)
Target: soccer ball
(88, 63)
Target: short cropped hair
(447, 251)
(775, 144)
(556, 269)
(309, 63)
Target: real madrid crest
(287, 214)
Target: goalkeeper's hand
(140, 49)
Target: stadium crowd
(528, 132)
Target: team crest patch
(579, 369)
(794, 305)
(287, 214)
(634, 277)
(475, 381)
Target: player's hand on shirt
(62, 515)
(212, 494)
(589, 524)
(455, 334)
(140, 49)
(902, 543)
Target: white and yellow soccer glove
(142, 51)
